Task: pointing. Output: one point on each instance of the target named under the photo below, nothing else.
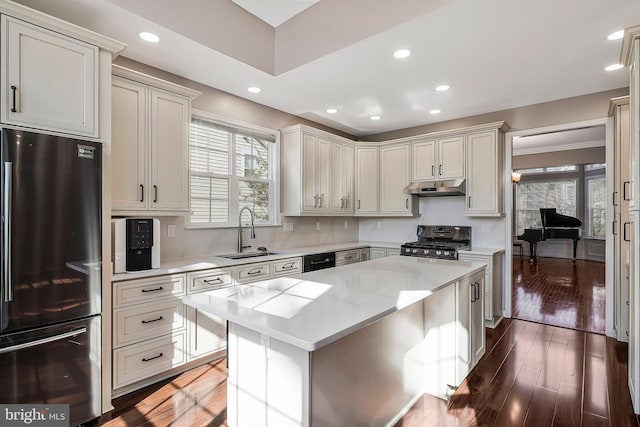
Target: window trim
(274, 167)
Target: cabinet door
(424, 160)
(128, 145)
(634, 313)
(169, 151)
(463, 330)
(451, 157)
(394, 176)
(348, 178)
(49, 80)
(366, 181)
(309, 172)
(323, 186)
(477, 319)
(207, 333)
(337, 187)
(484, 177)
(634, 114)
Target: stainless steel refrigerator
(50, 293)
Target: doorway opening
(558, 223)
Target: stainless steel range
(438, 241)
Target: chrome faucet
(253, 230)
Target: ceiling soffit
(325, 27)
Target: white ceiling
(274, 12)
(495, 54)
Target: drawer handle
(348, 256)
(288, 266)
(152, 320)
(144, 359)
(13, 93)
(152, 290)
(212, 281)
(254, 271)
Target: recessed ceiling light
(149, 37)
(616, 35)
(375, 117)
(436, 111)
(442, 88)
(402, 53)
(254, 89)
(613, 67)
(332, 110)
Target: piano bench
(519, 246)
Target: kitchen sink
(247, 255)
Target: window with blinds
(230, 168)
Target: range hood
(454, 187)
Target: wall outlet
(318, 225)
(171, 230)
(346, 224)
(288, 226)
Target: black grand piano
(554, 226)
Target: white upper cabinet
(129, 150)
(316, 172)
(484, 184)
(438, 159)
(343, 157)
(450, 157)
(150, 144)
(424, 160)
(367, 181)
(395, 174)
(49, 81)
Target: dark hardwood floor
(531, 375)
(558, 292)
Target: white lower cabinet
(470, 334)
(156, 335)
(493, 283)
(140, 361)
(347, 257)
(383, 252)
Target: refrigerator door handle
(6, 232)
(46, 340)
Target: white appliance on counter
(135, 243)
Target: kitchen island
(352, 345)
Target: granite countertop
(183, 265)
(311, 310)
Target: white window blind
(230, 168)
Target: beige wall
(560, 158)
(570, 110)
(225, 104)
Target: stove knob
(446, 253)
(415, 251)
(426, 252)
(439, 253)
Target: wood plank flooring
(558, 292)
(531, 375)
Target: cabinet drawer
(148, 321)
(392, 251)
(287, 266)
(347, 257)
(139, 361)
(210, 279)
(252, 272)
(143, 290)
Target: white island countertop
(313, 309)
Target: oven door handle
(42, 341)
